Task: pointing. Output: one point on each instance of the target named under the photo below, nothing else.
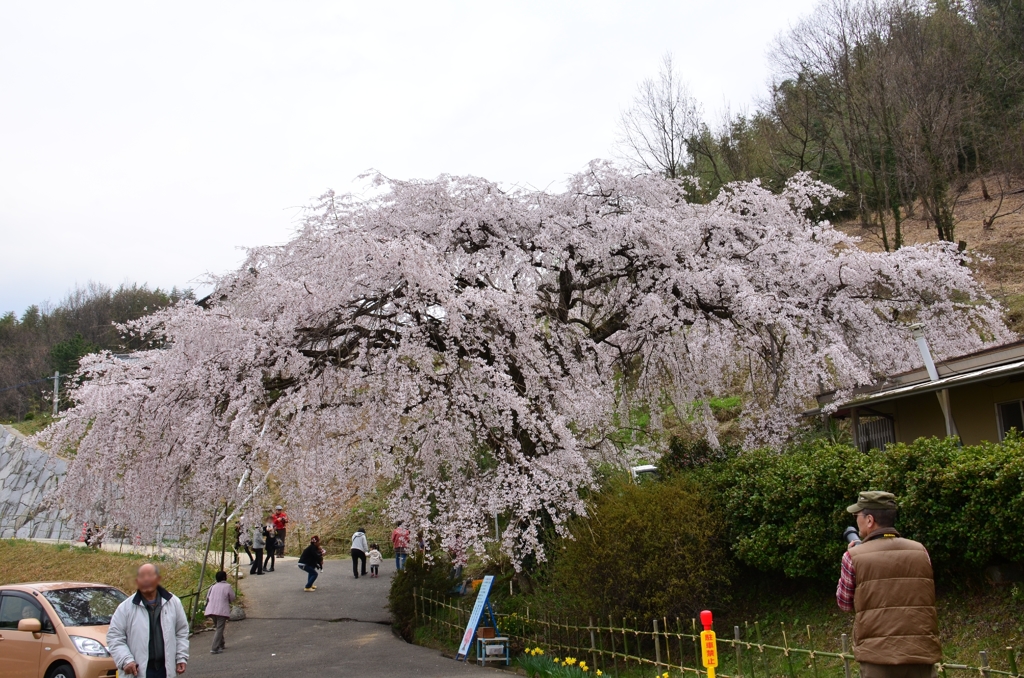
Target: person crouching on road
(148, 634)
(887, 580)
(311, 560)
(359, 549)
(218, 607)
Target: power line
(27, 383)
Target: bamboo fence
(673, 645)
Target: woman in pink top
(218, 607)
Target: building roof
(998, 361)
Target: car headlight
(89, 647)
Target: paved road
(341, 629)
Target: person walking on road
(280, 520)
(218, 607)
(148, 634)
(257, 546)
(375, 558)
(270, 537)
(887, 580)
(400, 542)
(311, 560)
(359, 549)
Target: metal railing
(671, 645)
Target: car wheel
(61, 671)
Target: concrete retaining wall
(28, 475)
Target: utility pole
(56, 391)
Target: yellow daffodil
(599, 672)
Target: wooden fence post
(1012, 656)
(696, 646)
(593, 645)
(736, 646)
(625, 642)
(657, 646)
(845, 639)
(984, 664)
(611, 634)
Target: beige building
(978, 397)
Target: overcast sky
(149, 142)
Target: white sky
(148, 142)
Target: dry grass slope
(1003, 243)
(26, 561)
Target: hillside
(1003, 275)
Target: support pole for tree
(224, 537)
(202, 570)
(56, 391)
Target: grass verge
(23, 561)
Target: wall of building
(28, 475)
(974, 408)
(974, 412)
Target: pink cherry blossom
(471, 349)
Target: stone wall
(28, 475)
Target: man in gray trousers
(148, 635)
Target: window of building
(1011, 415)
(876, 432)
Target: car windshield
(85, 606)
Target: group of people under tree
(266, 542)
(263, 543)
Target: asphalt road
(341, 629)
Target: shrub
(421, 575)
(964, 503)
(687, 454)
(645, 550)
(785, 512)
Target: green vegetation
(32, 423)
(419, 575)
(44, 339)
(625, 560)
(785, 512)
(28, 561)
(756, 537)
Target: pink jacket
(219, 599)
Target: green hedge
(785, 512)
(648, 550)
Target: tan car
(56, 630)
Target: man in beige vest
(887, 580)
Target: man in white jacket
(359, 549)
(148, 636)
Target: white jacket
(128, 636)
(359, 542)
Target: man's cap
(873, 500)
(278, 508)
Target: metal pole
(56, 391)
(202, 570)
(224, 540)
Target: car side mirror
(33, 626)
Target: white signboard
(474, 618)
